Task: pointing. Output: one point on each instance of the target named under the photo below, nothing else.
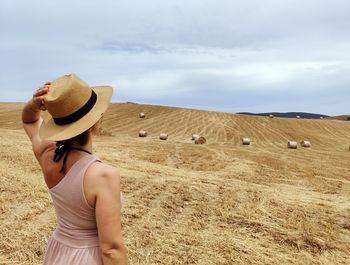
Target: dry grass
(218, 203)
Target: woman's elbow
(116, 254)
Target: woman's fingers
(38, 99)
(38, 96)
(39, 102)
(41, 91)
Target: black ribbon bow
(62, 149)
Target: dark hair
(81, 139)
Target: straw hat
(74, 107)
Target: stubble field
(217, 203)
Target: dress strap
(63, 149)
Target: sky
(222, 55)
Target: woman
(85, 192)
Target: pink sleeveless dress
(75, 240)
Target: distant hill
(341, 117)
(303, 115)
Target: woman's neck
(87, 146)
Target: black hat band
(79, 113)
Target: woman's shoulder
(98, 172)
(101, 178)
(104, 168)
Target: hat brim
(49, 130)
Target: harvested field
(217, 203)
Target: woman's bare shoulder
(101, 179)
(103, 174)
(104, 169)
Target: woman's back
(76, 233)
(75, 217)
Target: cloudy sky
(248, 55)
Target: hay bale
(298, 117)
(200, 140)
(292, 144)
(142, 115)
(195, 136)
(142, 133)
(246, 141)
(163, 136)
(271, 116)
(321, 118)
(305, 143)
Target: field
(217, 203)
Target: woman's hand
(37, 103)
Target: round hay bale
(142, 133)
(305, 143)
(200, 140)
(163, 136)
(142, 115)
(195, 136)
(292, 144)
(298, 117)
(271, 116)
(246, 141)
(321, 118)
